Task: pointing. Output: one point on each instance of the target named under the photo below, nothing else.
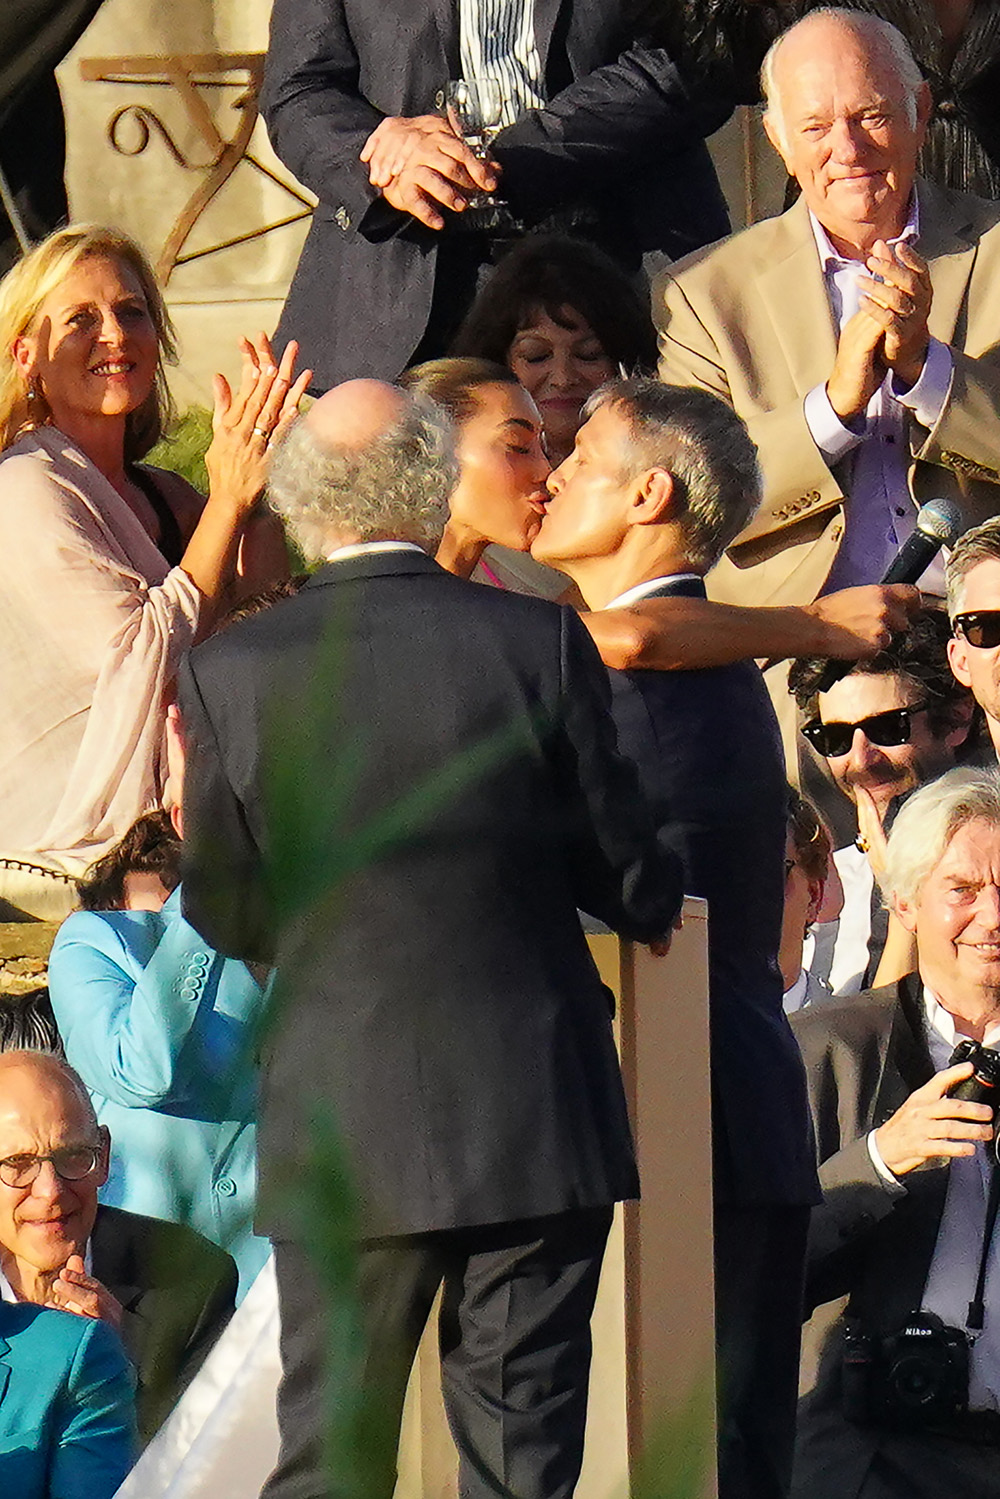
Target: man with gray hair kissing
(450, 795)
(661, 479)
(903, 1383)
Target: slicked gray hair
(395, 488)
(705, 447)
(981, 544)
(929, 820)
(879, 33)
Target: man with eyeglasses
(973, 579)
(166, 1289)
(892, 723)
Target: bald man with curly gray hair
(367, 463)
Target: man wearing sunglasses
(973, 578)
(891, 724)
(166, 1289)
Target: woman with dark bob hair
(111, 569)
(565, 319)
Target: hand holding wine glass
(422, 165)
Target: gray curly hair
(395, 488)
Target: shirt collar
(641, 590)
(831, 258)
(368, 548)
(941, 1024)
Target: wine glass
(474, 109)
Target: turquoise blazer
(67, 1414)
(161, 1030)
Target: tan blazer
(749, 319)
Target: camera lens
(916, 1381)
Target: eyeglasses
(74, 1163)
(981, 628)
(885, 729)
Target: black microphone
(939, 524)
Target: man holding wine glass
(557, 116)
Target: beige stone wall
(216, 296)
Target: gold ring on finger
(261, 432)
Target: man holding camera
(901, 1360)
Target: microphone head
(941, 521)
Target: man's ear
(906, 913)
(774, 136)
(104, 1164)
(958, 659)
(925, 105)
(655, 498)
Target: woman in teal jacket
(67, 1414)
(160, 1028)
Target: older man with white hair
(856, 334)
(902, 1383)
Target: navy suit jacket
(443, 1006)
(710, 761)
(619, 134)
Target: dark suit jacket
(444, 1009)
(618, 134)
(709, 757)
(178, 1290)
(870, 1241)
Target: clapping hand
(247, 423)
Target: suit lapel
(950, 246)
(446, 16)
(546, 14)
(793, 293)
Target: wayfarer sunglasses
(886, 729)
(981, 628)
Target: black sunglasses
(981, 628)
(885, 729)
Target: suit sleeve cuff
(927, 397)
(875, 1154)
(827, 431)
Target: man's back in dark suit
(442, 1011)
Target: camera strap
(977, 1310)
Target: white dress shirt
(371, 548)
(643, 590)
(497, 41)
(954, 1268)
(879, 512)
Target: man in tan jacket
(863, 365)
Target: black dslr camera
(984, 1084)
(918, 1376)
